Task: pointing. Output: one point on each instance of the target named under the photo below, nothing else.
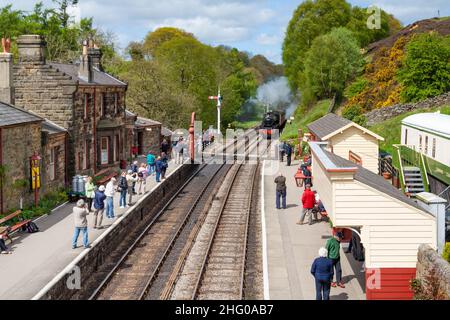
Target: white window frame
(116, 102)
(52, 164)
(102, 150)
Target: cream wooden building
(348, 140)
(392, 226)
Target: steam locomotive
(272, 120)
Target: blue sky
(256, 26)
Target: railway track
(222, 274)
(149, 267)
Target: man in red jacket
(308, 200)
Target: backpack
(32, 227)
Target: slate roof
(371, 179)
(327, 124)
(52, 127)
(144, 122)
(10, 115)
(166, 132)
(100, 77)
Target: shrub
(426, 69)
(356, 87)
(446, 253)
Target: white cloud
(268, 40)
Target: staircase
(413, 180)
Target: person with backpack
(99, 206)
(142, 178)
(159, 166)
(80, 212)
(123, 188)
(134, 169)
(165, 165)
(89, 189)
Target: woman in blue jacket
(322, 270)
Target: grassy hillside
(391, 129)
(303, 117)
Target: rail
(224, 203)
(165, 250)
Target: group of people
(286, 149)
(326, 266)
(131, 182)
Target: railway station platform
(290, 249)
(37, 258)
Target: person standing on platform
(151, 163)
(281, 190)
(80, 212)
(322, 270)
(132, 178)
(333, 246)
(159, 165)
(89, 189)
(165, 146)
(123, 187)
(165, 165)
(288, 150)
(109, 193)
(99, 206)
(282, 151)
(134, 169)
(3, 248)
(308, 201)
(142, 178)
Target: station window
(426, 145)
(53, 163)
(102, 105)
(420, 143)
(406, 137)
(86, 105)
(116, 103)
(87, 157)
(433, 149)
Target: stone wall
(151, 140)
(427, 258)
(19, 143)
(45, 91)
(108, 120)
(132, 224)
(382, 114)
(58, 143)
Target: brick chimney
(6, 75)
(31, 49)
(96, 55)
(85, 70)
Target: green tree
(426, 68)
(318, 17)
(310, 19)
(333, 59)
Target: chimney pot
(31, 49)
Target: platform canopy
(432, 122)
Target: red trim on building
(393, 285)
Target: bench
(14, 227)
(106, 178)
